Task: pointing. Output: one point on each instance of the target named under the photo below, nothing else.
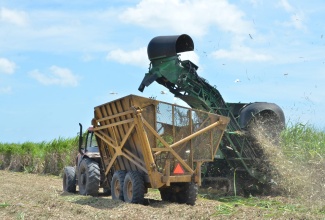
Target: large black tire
(117, 185)
(188, 194)
(167, 194)
(88, 177)
(180, 193)
(69, 180)
(107, 191)
(133, 188)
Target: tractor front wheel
(69, 180)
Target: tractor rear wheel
(69, 180)
(133, 188)
(88, 177)
(117, 185)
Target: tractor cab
(88, 144)
(91, 143)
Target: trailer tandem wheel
(88, 177)
(69, 179)
(133, 188)
(117, 185)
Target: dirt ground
(32, 196)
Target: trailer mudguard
(264, 109)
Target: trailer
(146, 143)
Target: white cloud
(297, 21)
(7, 66)
(136, 57)
(297, 18)
(54, 29)
(87, 58)
(190, 55)
(57, 76)
(241, 54)
(5, 90)
(286, 5)
(15, 17)
(255, 2)
(139, 57)
(191, 17)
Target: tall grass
(300, 144)
(303, 143)
(45, 157)
(298, 164)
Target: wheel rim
(117, 188)
(129, 189)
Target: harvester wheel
(69, 180)
(117, 185)
(133, 188)
(167, 194)
(88, 177)
(188, 194)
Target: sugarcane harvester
(239, 155)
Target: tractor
(88, 173)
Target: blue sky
(59, 59)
